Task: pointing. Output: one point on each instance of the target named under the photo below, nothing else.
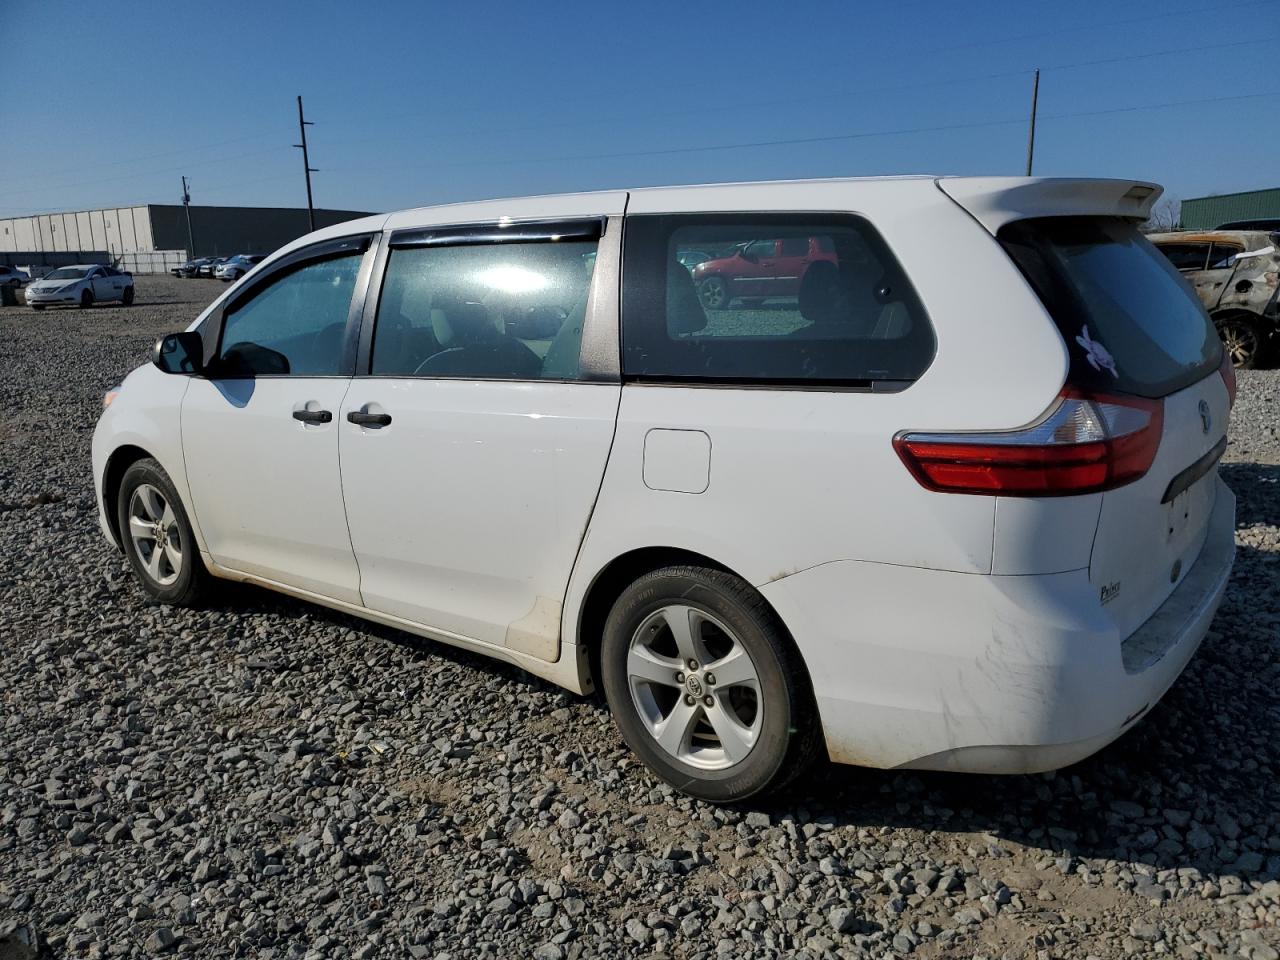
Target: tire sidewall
(769, 755)
(148, 471)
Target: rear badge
(1109, 592)
(1206, 421)
(1098, 356)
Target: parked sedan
(210, 264)
(237, 266)
(13, 277)
(82, 285)
(192, 267)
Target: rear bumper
(989, 674)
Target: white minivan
(925, 478)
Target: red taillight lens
(1228, 371)
(1087, 443)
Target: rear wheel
(157, 537)
(127, 298)
(714, 293)
(86, 298)
(705, 686)
(1242, 337)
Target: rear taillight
(1228, 371)
(1087, 443)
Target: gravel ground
(266, 778)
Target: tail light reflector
(1228, 371)
(1087, 443)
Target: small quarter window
(501, 311)
(1221, 257)
(828, 305)
(294, 325)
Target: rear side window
(835, 310)
(1186, 256)
(1130, 321)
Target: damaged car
(1236, 274)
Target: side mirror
(180, 353)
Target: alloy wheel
(157, 539)
(695, 687)
(1240, 341)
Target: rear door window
(847, 316)
(1222, 256)
(499, 311)
(1186, 256)
(1131, 323)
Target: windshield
(66, 273)
(1130, 321)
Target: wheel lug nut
(708, 701)
(711, 679)
(679, 678)
(693, 664)
(688, 701)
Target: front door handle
(369, 419)
(313, 416)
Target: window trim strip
(529, 231)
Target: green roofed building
(1205, 213)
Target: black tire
(86, 298)
(788, 738)
(1243, 338)
(193, 582)
(127, 297)
(37, 306)
(713, 291)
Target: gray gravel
(265, 778)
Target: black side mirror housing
(180, 353)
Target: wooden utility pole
(306, 163)
(1031, 136)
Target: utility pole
(306, 164)
(186, 204)
(1031, 136)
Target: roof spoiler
(995, 201)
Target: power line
(1199, 10)
(861, 135)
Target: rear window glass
(800, 299)
(1130, 321)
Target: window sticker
(1097, 355)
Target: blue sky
(417, 103)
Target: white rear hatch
(1135, 330)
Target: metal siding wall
(84, 231)
(1205, 213)
(142, 228)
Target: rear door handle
(369, 419)
(313, 416)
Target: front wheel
(127, 297)
(157, 537)
(86, 298)
(1242, 339)
(705, 685)
(37, 306)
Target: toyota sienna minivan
(948, 501)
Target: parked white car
(82, 285)
(237, 266)
(12, 276)
(952, 504)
